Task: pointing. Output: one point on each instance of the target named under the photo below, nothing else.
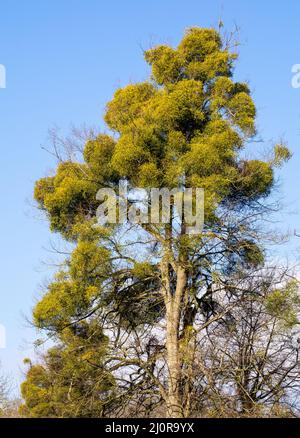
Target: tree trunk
(173, 307)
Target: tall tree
(186, 127)
(252, 356)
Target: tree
(252, 356)
(186, 127)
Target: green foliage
(255, 180)
(281, 154)
(284, 303)
(190, 122)
(199, 56)
(67, 197)
(71, 380)
(98, 154)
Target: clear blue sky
(64, 59)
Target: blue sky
(64, 59)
